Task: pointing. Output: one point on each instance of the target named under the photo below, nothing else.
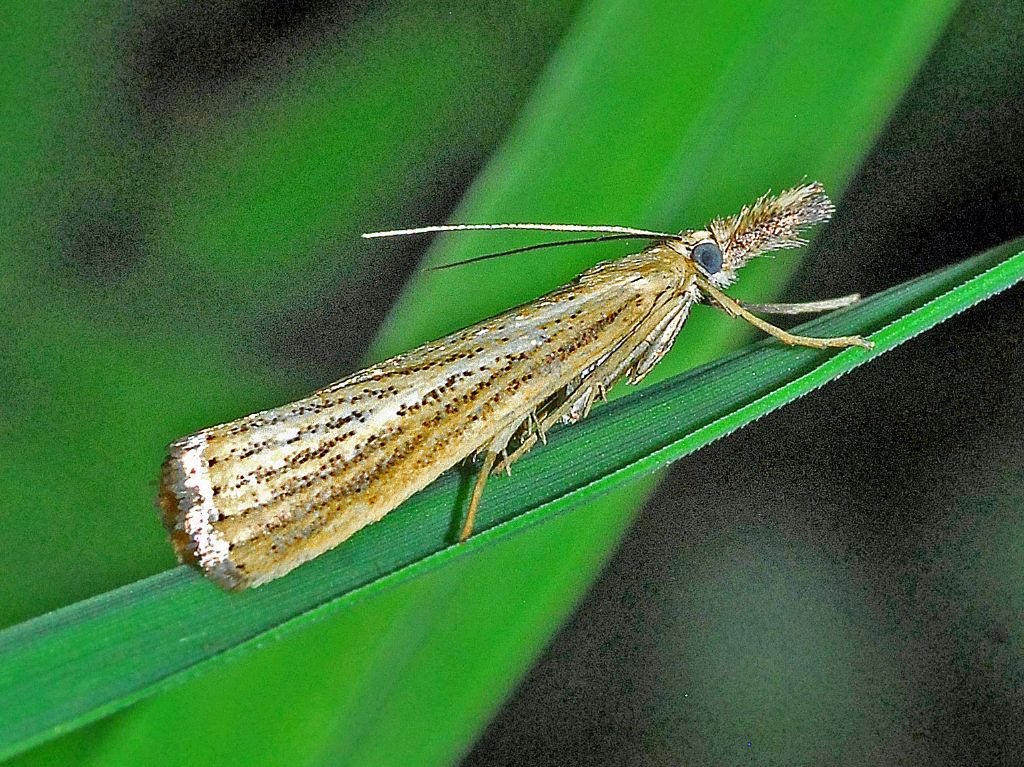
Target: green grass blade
(78, 663)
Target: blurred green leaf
(81, 662)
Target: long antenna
(539, 246)
(531, 227)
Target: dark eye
(709, 256)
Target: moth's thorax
(687, 240)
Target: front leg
(734, 309)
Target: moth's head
(770, 223)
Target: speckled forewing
(251, 499)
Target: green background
(183, 188)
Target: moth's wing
(251, 499)
(657, 344)
(633, 358)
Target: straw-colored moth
(250, 500)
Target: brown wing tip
(173, 504)
(182, 509)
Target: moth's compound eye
(709, 256)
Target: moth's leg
(588, 405)
(478, 492)
(732, 308)
(494, 449)
(804, 307)
(538, 429)
(597, 382)
(519, 452)
(541, 425)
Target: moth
(250, 500)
